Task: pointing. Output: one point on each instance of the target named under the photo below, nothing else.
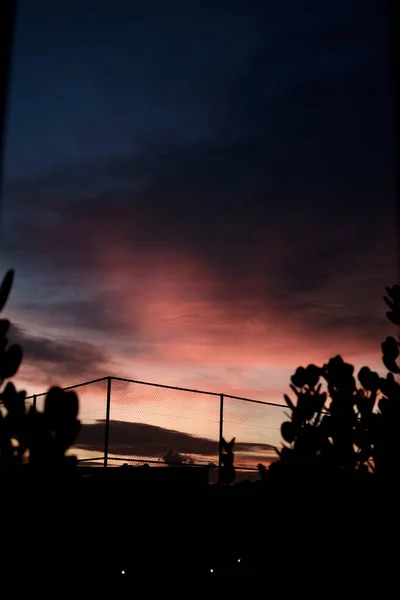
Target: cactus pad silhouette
(27, 435)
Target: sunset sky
(198, 193)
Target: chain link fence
(256, 426)
(134, 422)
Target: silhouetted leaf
(286, 453)
(4, 326)
(393, 317)
(306, 407)
(288, 401)
(299, 378)
(366, 405)
(8, 395)
(394, 293)
(389, 302)
(312, 375)
(390, 364)
(51, 404)
(388, 386)
(368, 379)
(5, 287)
(295, 390)
(12, 361)
(382, 404)
(60, 406)
(320, 401)
(288, 431)
(70, 405)
(390, 348)
(339, 375)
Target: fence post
(221, 422)
(34, 401)
(107, 430)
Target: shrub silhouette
(46, 435)
(347, 428)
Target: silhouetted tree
(173, 457)
(347, 428)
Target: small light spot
(123, 572)
(239, 559)
(211, 570)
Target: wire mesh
(256, 428)
(89, 445)
(168, 426)
(162, 425)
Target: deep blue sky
(97, 78)
(105, 77)
(199, 186)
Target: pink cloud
(178, 317)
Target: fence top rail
(162, 385)
(69, 387)
(255, 401)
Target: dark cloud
(307, 106)
(88, 315)
(53, 357)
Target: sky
(198, 194)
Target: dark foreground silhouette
(98, 532)
(322, 521)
